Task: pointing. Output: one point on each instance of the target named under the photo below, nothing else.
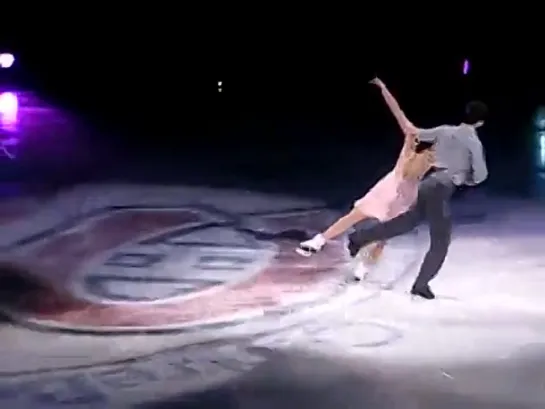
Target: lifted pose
(391, 196)
(458, 160)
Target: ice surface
(480, 344)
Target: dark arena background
(149, 193)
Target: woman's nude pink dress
(394, 193)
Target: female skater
(391, 196)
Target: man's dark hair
(475, 111)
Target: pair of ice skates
(363, 264)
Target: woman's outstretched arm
(406, 126)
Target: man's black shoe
(424, 293)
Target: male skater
(459, 160)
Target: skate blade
(303, 252)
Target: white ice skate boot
(312, 246)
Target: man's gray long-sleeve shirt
(459, 151)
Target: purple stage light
(465, 68)
(6, 60)
(9, 107)
(9, 103)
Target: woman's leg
(342, 224)
(375, 251)
(367, 258)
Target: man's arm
(479, 170)
(431, 135)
